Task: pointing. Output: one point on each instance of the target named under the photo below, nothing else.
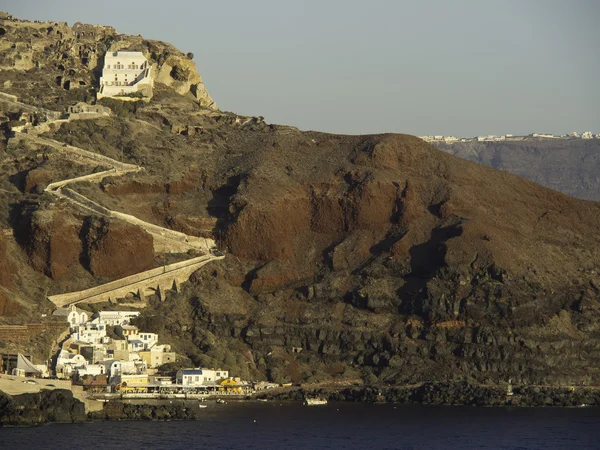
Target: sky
(423, 67)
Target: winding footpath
(154, 281)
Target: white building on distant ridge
(125, 74)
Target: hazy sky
(462, 67)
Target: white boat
(202, 406)
(315, 401)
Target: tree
(190, 55)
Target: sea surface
(335, 426)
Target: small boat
(220, 401)
(202, 406)
(315, 401)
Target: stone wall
(23, 333)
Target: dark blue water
(336, 426)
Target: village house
(127, 331)
(157, 356)
(82, 109)
(130, 381)
(200, 377)
(149, 340)
(89, 369)
(114, 318)
(125, 74)
(66, 363)
(160, 380)
(134, 366)
(92, 333)
(118, 349)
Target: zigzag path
(165, 240)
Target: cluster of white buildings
(109, 347)
(508, 137)
(107, 344)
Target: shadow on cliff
(218, 206)
(426, 260)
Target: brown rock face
(8, 307)
(54, 246)
(38, 179)
(62, 246)
(396, 201)
(116, 249)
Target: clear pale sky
(461, 67)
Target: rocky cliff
(65, 62)
(571, 166)
(48, 406)
(375, 258)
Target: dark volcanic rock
(116, 410)
(43, 407)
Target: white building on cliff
(125, 75)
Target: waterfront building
(200, 377)
(157, 356)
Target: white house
(134, 366)
(90, 369)
(149, 339)
(114, 318)
(91, 333)
(67, 362)
(135, 345)
(125, 73)
(200, 377)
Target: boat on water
(315, 401)
(202, 406)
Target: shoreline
(60, 406)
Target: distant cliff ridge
(571, 166)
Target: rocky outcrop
(52, 242)
(69, 60)
(62, 245)
(116, 410)
(115, 249)
(47, 406)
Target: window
(108, 66)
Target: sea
(274, 425)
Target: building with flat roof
(125, 75)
